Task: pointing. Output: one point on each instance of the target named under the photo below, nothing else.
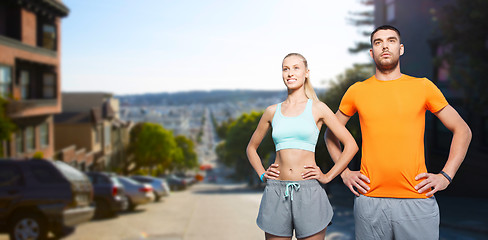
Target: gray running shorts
(299, 205)
(396, 218)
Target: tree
(150, 146)
(223, 128)
(332, 97)
(464, 25)
(232, 151)
(7, 127)
(363, 19)
(188, 159)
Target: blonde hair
(309, 91)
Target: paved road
(205, 211)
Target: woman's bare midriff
(291, 163)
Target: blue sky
(147, 46)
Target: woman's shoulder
(319, 104)
(270, 110)
(320, 107)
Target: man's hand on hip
(354, 179)
(433, 182)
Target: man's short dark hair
(384, 27)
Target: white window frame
(44, 134)
(30, 139)
(5, 81)
(24, 84)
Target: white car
(137, 193)
(160, 186)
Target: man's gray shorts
(396, 218)
(285, 207)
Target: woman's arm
(340, 131)
(352, 179)
(263, 126)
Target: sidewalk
(467, 214)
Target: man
(396, 200)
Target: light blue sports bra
(298, 132)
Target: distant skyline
(135, 47)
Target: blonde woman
(294, 198)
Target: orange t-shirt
(392, 117)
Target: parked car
(160, 186)
(41, 196)
(175, 182)
(109, 194)
(137, 193)
(189, 179)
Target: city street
(205, 211)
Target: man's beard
(386, 67)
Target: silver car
(160, 186)
(137, 193)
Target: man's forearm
(459, 147)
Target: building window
(19, 142)
(46, 37)
(24, 84)
(106, 136)
(10, 20)
(48, 85)
(30, 139)
(49, 36)
(44, 134)
(390, 10)
(5, 81)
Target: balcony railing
(21, 107)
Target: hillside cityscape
(182, 112)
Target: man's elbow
(464, 131)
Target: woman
(293, 198)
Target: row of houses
(82, 129)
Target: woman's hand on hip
(272, 172)
(314, 172)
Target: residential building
(30, 79)
(89, 122)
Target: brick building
(30, 79)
